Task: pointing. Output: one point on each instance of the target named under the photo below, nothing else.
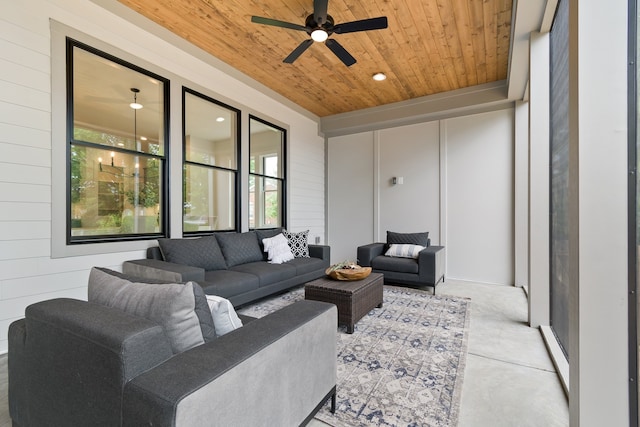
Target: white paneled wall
(413, 154)
(479, 197)
(457, 179)
(28, 273)
(352, 194)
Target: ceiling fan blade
(340, 52)
(320, 11)
(362, 25)
(298, 51)
(276, 23)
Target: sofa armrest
(163, 270)
(78, 356)
(280, 366)
(320, 251)
(367, 253)
(431, 264)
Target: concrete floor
(509, 379)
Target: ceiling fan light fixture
(379, 77)
(319, 35)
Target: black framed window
(211, 152)
(117, 131)
(267, 180)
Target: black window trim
(283, 180)
(70, 140)
(237, 171)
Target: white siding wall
(27, 272)
(458, 185)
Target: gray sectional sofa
(230, 265)
(139, 354)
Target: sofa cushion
(401, 265)
(201, 308)
(203, 252)
(277, 248)
(421, 239)
(404, 251)
(240, 248)
(266, 273)
(228, 283)
(172, 306)
(224, 315)
(308, 265)
(298, 242)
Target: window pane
(559, 183)
(265, 202)
(102, 98)
(266, 149)
(209, 199)
(210, 132)
(114, 193)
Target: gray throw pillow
(202, 252)
(240, 248)
(201, 308)
(421, 239)
(172, 305)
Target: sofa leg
(333, 402)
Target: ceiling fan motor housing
(311, 24)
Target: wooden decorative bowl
(349, 273)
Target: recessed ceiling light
(220, 119)
(379, 77)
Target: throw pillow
(169, 305)
(240, 248)
(278, 249)
(224, 315)
(202, 252)
(404, 251)
(298, 242)
(421, 239)
(201, 308)
(262, 234)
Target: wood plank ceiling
(430, 46)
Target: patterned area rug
(403, 365)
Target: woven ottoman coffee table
(354, 299)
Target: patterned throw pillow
(404, 251)
(298, 242)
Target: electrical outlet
(317, 240)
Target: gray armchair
(425, 270)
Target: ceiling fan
(319, 25)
